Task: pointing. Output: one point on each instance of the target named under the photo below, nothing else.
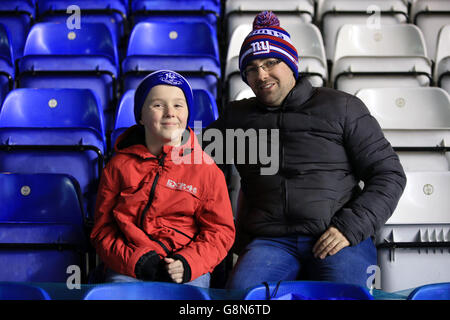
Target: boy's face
(164, 115)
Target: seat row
(365, 57)
(290, 290)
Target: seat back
(173, 39)
(307, 290)
(41, 227)
(434, 291)
(55, 39)
(442, 65)
(22, 291)
(403, 40)
(52, 108)
(146, 291)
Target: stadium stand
(20, 291)
(54, 131)
(18, 16)
(295, 12)
(307, 290)
(190, 48)
(40, 238)
(208, 11)
(442, 65)
(7, 66)
(64, 94)
(333, 14)
(430, 16)
(391, 56)
(112, 14)
(146, 291)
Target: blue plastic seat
(307, 290)
(208, 11)
(18, 16)
(22, 291)
(205, 111)
(186, 47)
(435, 291)
(111, 13)
(6, 63)
(53, 131)
(41, 227)
(57, 57)
(146, 291)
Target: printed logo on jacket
(181, 186)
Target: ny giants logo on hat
(171, 78)
(260, 47)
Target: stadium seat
(111, 13)
(21, 291)
(307, 290)
(294, 12)
(413, 245)
(41, 227)
(430, 16)
(416, 121)
(390, 56)
(442, 65)
(205, 111)
(333, 14)
(17, 16)
(435, 291)
(54, 131)
(57, 57)
(6, 63)
(410, 117)
(306, 38)
(188, 48)
(208, 11)
(146, 291)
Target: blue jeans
(112, 276)
(291, 258)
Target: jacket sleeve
(377, 165)
(112, 246)
(216, 232)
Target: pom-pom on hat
(161, 77)
(268, 40)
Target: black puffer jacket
(328, 142)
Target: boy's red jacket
(147, 203)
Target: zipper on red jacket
(150, 200)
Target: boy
(158, 218)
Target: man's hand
(329, 243)
(174, 269)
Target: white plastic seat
(306, 38)
(442, 66)
(430, 16)
(333, 14)
(391, 56)
(239, 12)
(413, 245)
(410, 117)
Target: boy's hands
(174, 269)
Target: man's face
(270, 79)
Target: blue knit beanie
(268, 40)
(161, 77)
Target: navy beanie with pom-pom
(268, 40)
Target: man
(309, 220)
